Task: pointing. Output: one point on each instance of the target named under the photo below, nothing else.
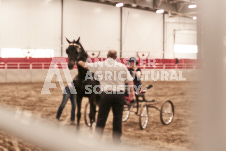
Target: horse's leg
(97, 101)
(79, 103)
(95, 112)
(92, 109)
(73, 106)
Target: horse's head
(73, 51)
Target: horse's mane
(82, 57)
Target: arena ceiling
(171, 7)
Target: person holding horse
(113, 75)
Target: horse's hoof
(72, 123)
(77, 127)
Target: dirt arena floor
(179, 135)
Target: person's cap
(132, 59)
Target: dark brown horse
(76, 52)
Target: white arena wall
(30, 24)
(98, 25)
(39, 75)
(36, 24)
(173, 24)
(143, 32)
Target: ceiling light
(119, 5)
(192, 6)
(160, 11)
(194, 18)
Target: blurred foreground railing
(51, 136)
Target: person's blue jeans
(67, 94)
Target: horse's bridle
(79, 48)
(74, 44)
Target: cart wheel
(144, 117)
(126, 112)
(86, 114)
(167, 112)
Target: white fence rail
(49, 65)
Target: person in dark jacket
(135, 72)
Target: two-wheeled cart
(141, 108)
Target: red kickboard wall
(45, 63)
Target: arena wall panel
(73, 73)
(18, 75)
(39, 75)
(3, 74)
(172, 75)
